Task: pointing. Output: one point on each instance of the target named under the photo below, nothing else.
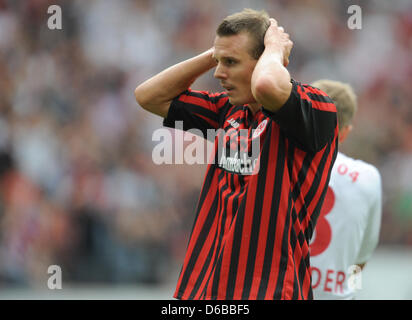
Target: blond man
(347, 229)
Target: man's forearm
(156, 93)
(271, 80)
(271, 84)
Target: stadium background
(78, 187)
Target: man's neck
(254, 107)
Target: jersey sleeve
(197, 110)
(371, 235)
(308, 117)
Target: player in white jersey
(347, 229)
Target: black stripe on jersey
(209, 257)
(295, 295)
(316, 182)
(234, 257)
(272, 229)
(290, 158)
(257, 215)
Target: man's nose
(220, 73)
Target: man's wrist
(275, 52)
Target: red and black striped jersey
(250, 238)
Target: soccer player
(347, 229)
(250, 238)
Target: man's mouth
(228, 88)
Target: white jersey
(347, 229)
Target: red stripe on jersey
(303, 93)
(195, 100)
(316, 91)
(323, 106)
(319, 105)
(266, 213)
(203, 102)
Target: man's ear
(343, 132)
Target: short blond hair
(344, 98)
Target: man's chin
(237, 102)
(234, 101)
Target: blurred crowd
(78, 187)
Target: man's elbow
(140, 97)
(149, 103)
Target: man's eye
(230, 62)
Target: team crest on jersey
(260, 128)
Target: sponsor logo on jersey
(242, 164)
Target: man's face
(235, 67)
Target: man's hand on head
(277, 37)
